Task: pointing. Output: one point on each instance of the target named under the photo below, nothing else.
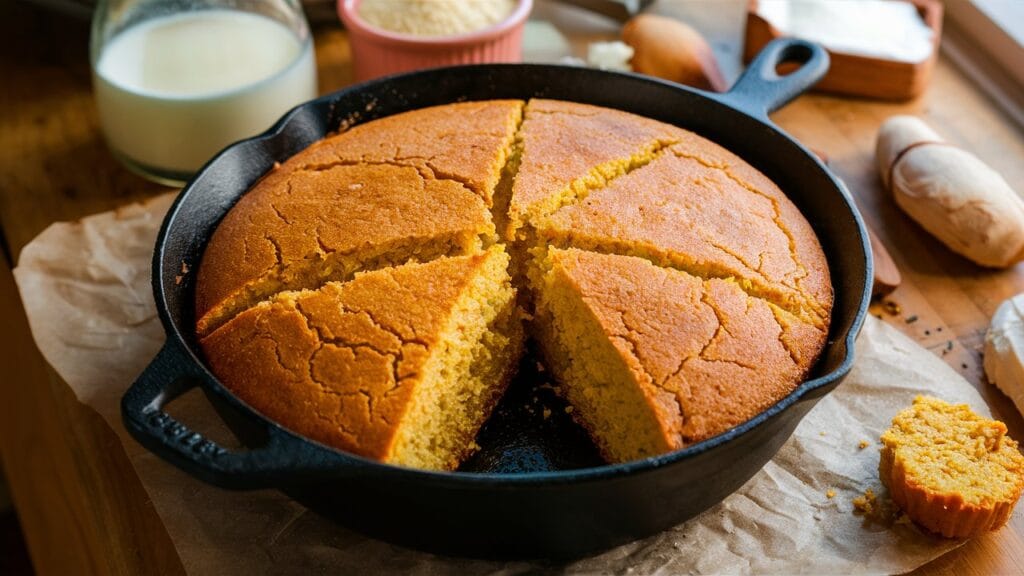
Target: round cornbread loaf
(673, 289)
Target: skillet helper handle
(281, 459)
(760, 90)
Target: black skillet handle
(283, 458)
(761, 90)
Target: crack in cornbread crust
(351, 218)
(466, 142)
(670, 212)
(785, 216)
(695, 348)
(362, 354)
(465, 145)
(569, 149)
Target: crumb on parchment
(865, 504)
(830, 494)
(863, 444)
(875, 509)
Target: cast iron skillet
(536, 489)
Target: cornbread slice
(715, 219)
(653, 359)
(468, 142)
(951, 470)
(567, 149)
(324, 225)
(402, 365)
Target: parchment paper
(86, 289)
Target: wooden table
(82, 506)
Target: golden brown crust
(695, 209)
(343, 360)
(706, 355)
(467, 142)
(421, 177)
(565, 143)
(804, 242)
(278, 231)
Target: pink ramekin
(377, 52)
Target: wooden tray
(861, 75)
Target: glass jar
(178, 80)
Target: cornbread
(568, 149)
(953, 472)
(654, 358)
(414, 187)
(369, 293)
(401, 364)
(765, 244)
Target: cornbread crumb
(830, 494)
(863, 444)
(398, 344)
(865, 504)
(547, 413)
(952, 471)
(569, 409)
(875, 509)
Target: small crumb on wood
(892, 308)
(963, 365)
(911, 319)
